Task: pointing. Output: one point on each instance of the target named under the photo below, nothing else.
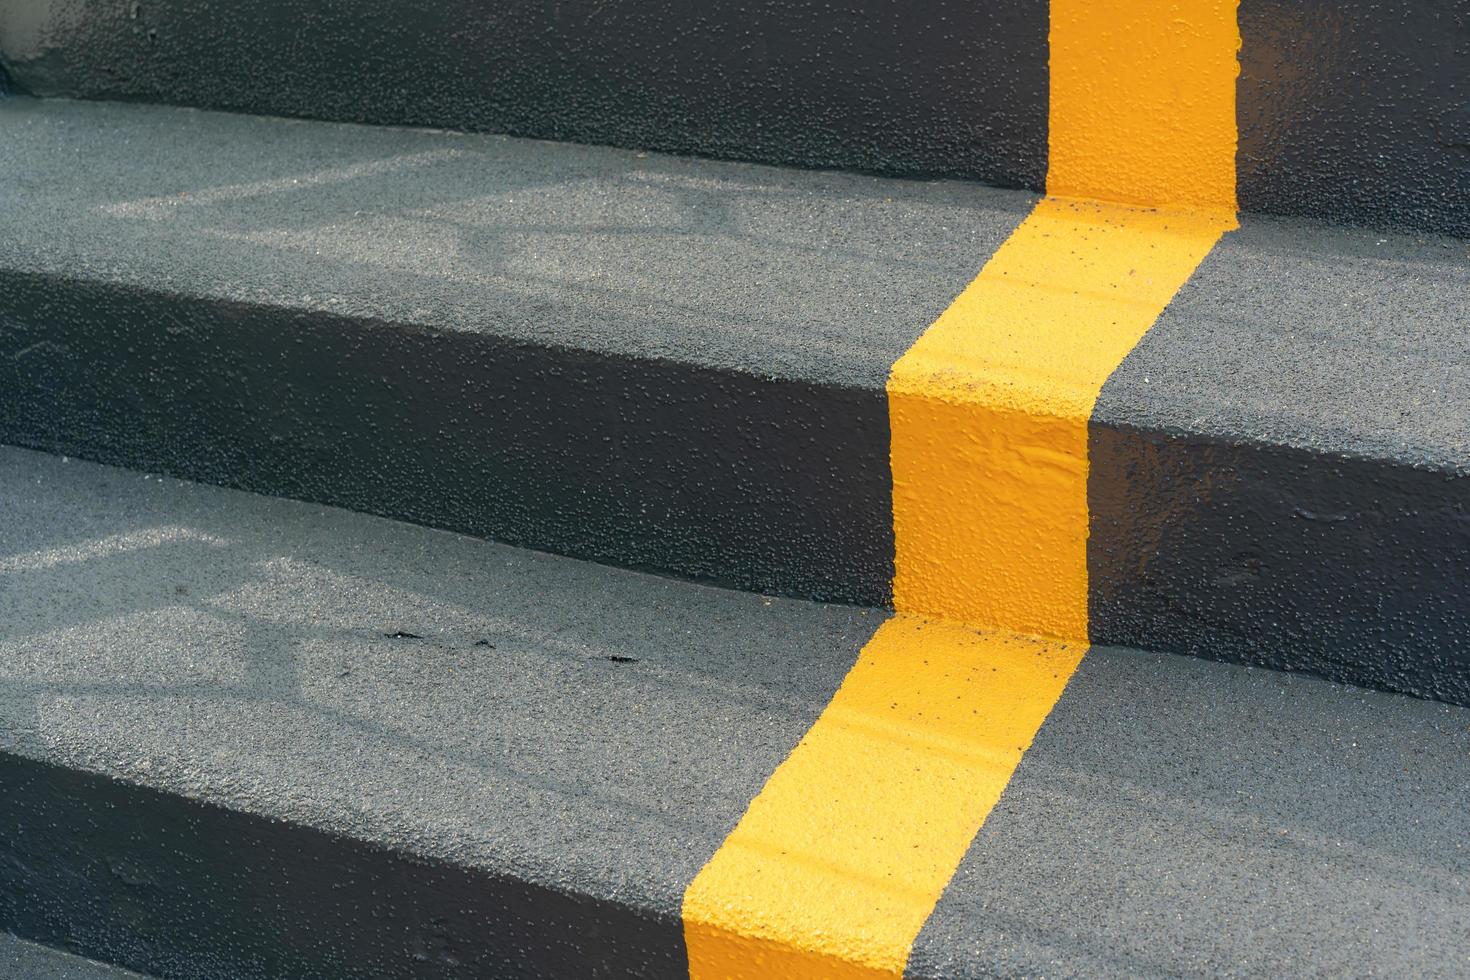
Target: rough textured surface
(679, 365)
(1179, 818)
(1357, 110)
(762, 484)
(652, 362)
(23, 960)
(215, 693)
(819, 277)
(558, 747)
(1281, 469)
(1354, 110)
(198, 890)
(1354, 570)
(1332, 340)
(938, 87)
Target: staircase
(939, 490)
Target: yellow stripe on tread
(989, 411)
(839, 860)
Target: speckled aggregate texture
(1281, 468)
(1353, 110)
(1180, 818)
(679, 365)
(1357, 110)
(23, 960)
(934, 87)
(819, 277)
(353, 747)
(1341, 341)
(245, 737)
(646, 361)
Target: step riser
(246, 737)
(1266, 556)
(197, 891)
(941, 88)
(1350, 569)
(774, 486)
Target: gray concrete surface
(678, 365)
(795, 84)
(246, 652)
(24, 960)
(1341, 341)
(1181, 818)
(1280, 470)
(1174, 817)
(813, 276)
(1295, 333)
(1349, 110)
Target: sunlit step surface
(679, 365)
(254, 737)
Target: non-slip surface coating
(656, 363)
(1352, 110)
(551, 748)
(818, 277)
(198, 890)
(639, 421)
(219, 696)
(1339, 341)
(760, 484)
(1356, 110)
(24, 960)
(1281, 468)
(937, 87)
(1181, 818)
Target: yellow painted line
(838, 862)
(989, 408)
(1142, 107)
(989, 411)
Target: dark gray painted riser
(1354, 111)
(758, 484)
(195, 891)
(1355, 570)
(1352, 569)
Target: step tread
(679, 365)
(816, 276)
(1362, 122)
(239, 650)
(21, 959)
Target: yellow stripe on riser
(838, 862)
(989, 411)
(1142, 106)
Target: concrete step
(1346, 110)
(679, 365)
(244, 737)
(21, 959)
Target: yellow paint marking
(989, 411)
(838, 862)
(1142, 107)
